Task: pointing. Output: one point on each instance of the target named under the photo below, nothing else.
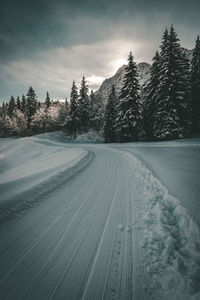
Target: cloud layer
(47, 44)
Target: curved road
(80, 243)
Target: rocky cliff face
(189, 53)
(117, 80)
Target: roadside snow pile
(31, 168)
(56, 136)
(171, 239)
(177, 165)
(62, 137)
(90, 137)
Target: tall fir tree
(38, 105)
(31, 105)
(110, 117)
(84, 106)
(47, 101)
(3, 108)
(66, 105)
(171, 118)
(129, 119)
(24, 105)
(92, 101)
(150, 103)
(73, 119)
(195, 87)
(96, 112)
(18, 103)
(64, 114)
(11, 106)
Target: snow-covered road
(110, 232)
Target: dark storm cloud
(45, 34)
(26, 26)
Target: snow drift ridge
(171, 239)
(23, 187)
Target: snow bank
(177, 165)
(31, 168)
(56, 137)
(90, 137)
(59, 136)
(171, 239)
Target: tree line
(170, 107)
(167, 108)
(28, 116)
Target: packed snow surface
(110, 228)
(32, 165)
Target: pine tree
(66, 106)
(184, 103)
(150, 103)
(24, 105)
(195, 85)
(84, 105)
(92, 101)
(31, 105)
(38, 105)
(47, 101)
(6, 126)
(171, 118)
(110, 117)
(73, 121)
(64, 114)
(18, 103)
(3, 108)
(129, 119)
(96, 112)
(11, 106)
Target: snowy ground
(32, 167)
(113, 223)
(177, 165)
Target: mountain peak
(121, 69)
(117, 80)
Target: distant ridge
(117, 79)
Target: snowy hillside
(117, 80)
(31, 167)
(112, 221)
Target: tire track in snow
(119, 276)
(57, 253)
(29, 230)
(118, 273)
(5, 273)
(96, 254)
(126, 285)
(134, 279)
(43, 190)
(112, 284)
(86, 187)
(89, 269)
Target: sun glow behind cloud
(118, 63)
(55, 69)
(94, 81)
(48, 46)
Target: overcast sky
(48, 44)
